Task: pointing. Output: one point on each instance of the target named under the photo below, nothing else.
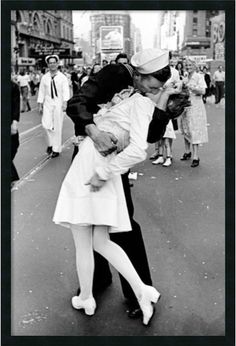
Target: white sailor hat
(52, 56)
(150, 60)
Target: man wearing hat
(149, 70)
(53, 95)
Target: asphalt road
(182, 214)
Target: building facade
(35, 34)
(110, 34)
(197, 35)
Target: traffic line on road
(30, 130)
(26, 178)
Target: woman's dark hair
(162, 75)
(181, 68)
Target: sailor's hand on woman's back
(105, 142)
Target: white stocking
(84, 258)
(117, 257)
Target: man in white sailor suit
(53, 95)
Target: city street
(181, 211)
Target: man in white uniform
(53, 95)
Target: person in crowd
(104, 62)
(164, 147)
(100, 89)
(31, 74)
(14, 76)
(92, 201)
(180, 68)
(193, 120)
(41, 73)
(15, 117)
(24, 83)
(52, 98)
(36, 80)
(165, 144)
(75, 80)
(95, 69)
(207, 78)
(218, 79)
(112, 62)
(122, 58)
(85, 78)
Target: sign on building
(42, 51)
(199, 59)
(111, 38)
(26, 61)
(218, 37)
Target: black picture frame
(229, 338)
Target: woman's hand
(96, 183)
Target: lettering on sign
(26, 61)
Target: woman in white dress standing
(92, 202)
(193, 122)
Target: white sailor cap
(52, 56)
(150, 60)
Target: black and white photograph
(118, 181)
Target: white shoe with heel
(158, 161)
(149, 296)
(89, 305)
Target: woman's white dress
(193, 121)
(169, 132)
(76, 204)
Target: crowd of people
(193, 128)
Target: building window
(195, 11)
(56, 29)
(49, 28)
(36, 22)
(18, 17)
(194, 32)
(194, 20)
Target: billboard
(111, 37)
(218, 37)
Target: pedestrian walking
(52, 98)
(207, 78)
(100, 89)
(24, 83)
(92, 200)
(193, 120)
(15, 117)
(219, 82)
